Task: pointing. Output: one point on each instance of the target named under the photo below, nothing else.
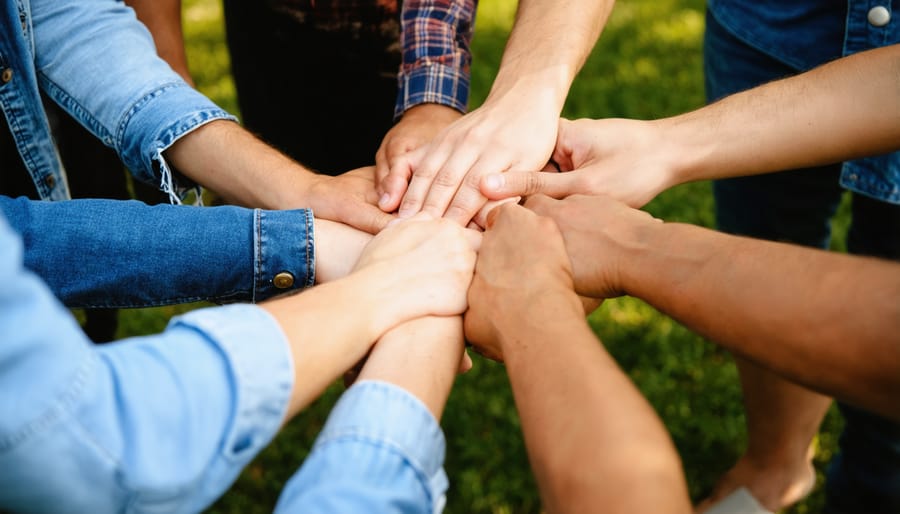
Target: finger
(465, 363)
(473, 237)
(447, 181)
(468, 199)
(525, 183)
(481, 216)
(494, 213)
(382, 169)
(562, 153)
(367, 217)
(541, 205)
(395, 183)
(423, 170)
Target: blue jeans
(797, 206)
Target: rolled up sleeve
(380, 451)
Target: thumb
(369, 218)
(525, 183)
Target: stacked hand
(443, 177)
(628, 160)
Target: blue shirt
(165, 423)
(804, 34)
(99, 63)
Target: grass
(646, 65)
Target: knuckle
(446, 179)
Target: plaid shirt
(436, 35)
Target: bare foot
(775, 487)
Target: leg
(865, 476)
(795, 206)
(331, 103)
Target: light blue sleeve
(381, 451)
(99, 63)
(154, 424)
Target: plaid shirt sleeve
(436, 35)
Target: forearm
(324, 341)
(224, 157)
(846, 109)
(591, 437)
(547, 47)
(436, 36)
(421, 356)
(828, 321)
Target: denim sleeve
(154, 424)
(97, 61)
(380, 451)
(436, 37)
(111, 253)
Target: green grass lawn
(646, 65)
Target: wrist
(636, 254)
(686, 152)
(544, 89)
(533, 310)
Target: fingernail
(383, 201)
(493, 182)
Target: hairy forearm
(421, 356)
(547, 47)
(846, 109)
(224, 157)
(828, 321)
(592, 438)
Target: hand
(599, 233)
(625, 159)
(425, 265)
(522, 265)
(514, 131)
(347, 198)
(418, 126)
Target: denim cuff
(388, 415)
(432, 83)
(149, 128)
(283, 252)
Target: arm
(160, 126)
(213, 254)
(398, 398)
(231, 161)
(174, 417)
(842, 110)
(163, 19)
(501, 134)
(593, 441)
(793, 310)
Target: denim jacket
(806, 33)
(97, 61)
(111, 253)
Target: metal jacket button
(283, 280)
(6, 75)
